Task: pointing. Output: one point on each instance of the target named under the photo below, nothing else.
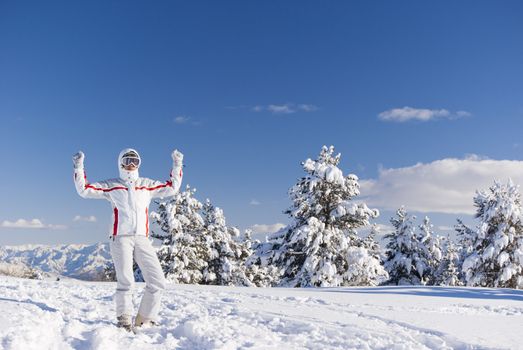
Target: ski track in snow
(80, 315)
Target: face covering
(126, 175)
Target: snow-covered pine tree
(314, 249)
(465, 236)
(259, 269)
(364, 269)
(497, 256)
(226, 256)
(448, 271)
(403, 261)
(429, 253)
(183, 251)
(366, 262)
(371, 244)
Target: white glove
(177, 157)
(78, 160)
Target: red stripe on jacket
(146, 222)
(105, 189)
(115, 225)
(166, 184)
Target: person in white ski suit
(130, 196)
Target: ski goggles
(126, 161)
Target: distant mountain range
(84, 262)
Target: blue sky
(247, 90)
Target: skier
(130, 196)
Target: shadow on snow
(42, 306)
(445, 292)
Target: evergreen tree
(429, 252)
(183, 251)
(314, 249)
(372, 245)
(465, 247)
(364, 269)
(197, 245)
(448, 272)
(226, 256)
(366, 263)
(404, 261)
(259, 270)
(497, 256)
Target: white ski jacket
(130, 196)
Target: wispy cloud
(183, 119)
(307, 108)
(91, 218)
(408, 113)
(31, 224)
(286, 108)
(254, 202)
(262, 228)
(443, 186)
(281, 109)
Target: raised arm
(85, 189)
(170, 187)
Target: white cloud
(181, 119)
(254, 202)
(31, 224)
(287, 108)
(281, 109)
(307, 108)
(22, 223)
(261, 228)
(444, 186)
(91, 218)
(408, 113)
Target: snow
(75, 314)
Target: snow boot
(141, 321)
(125, 322)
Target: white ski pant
(123, 250)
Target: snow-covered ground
(72, 314)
